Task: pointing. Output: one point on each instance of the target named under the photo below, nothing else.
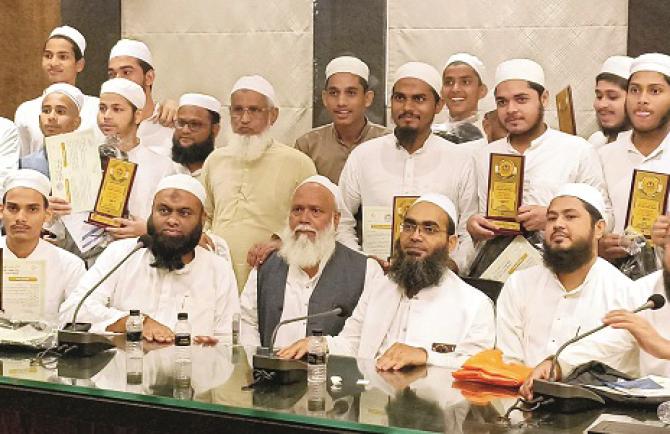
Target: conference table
(93, 395)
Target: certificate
(566, 111)
(112, 201)
(400, 206)
(22, 292)
(647, 200)
(74, 168)
(519, 254)
(505, 191)
(377, 222)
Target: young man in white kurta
(540, 308)
(24, 213)
(379, 169)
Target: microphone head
(658, 300)
(344, 312)
(145, 241)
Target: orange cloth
(482, 394)
(488, 367)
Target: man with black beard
(171, 274)
(610, 101)
(551, 158)
(198, 123)
(422, 312)
(541, 307)
(410, 162)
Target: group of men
(271, 232)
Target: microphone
(338, 310)
(75, 336)
(654, 302)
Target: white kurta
(9, 148)
(552, 160)
(597, 139)
(619, 159)
(27, 119)
(536, 315)
(204, 288)
(379, 169)
(151, 168)
(451, 313)
(63, 270)
(659, 319)
(299, 288)
(155, 136)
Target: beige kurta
(325, 148)
(249, 201)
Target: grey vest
(341, 283)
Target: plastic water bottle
(316, 358)
(182, 342)
(316, 399)
(663, 412)
(134, 353)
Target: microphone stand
(336, 311)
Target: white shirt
(452, 313)
(9, 148)
(299, 288)
(659, 319)
(552, 160)
(62, 273)
(597, 139)
(151, 168)
(619, 159)
(27, 119)
(205, 289)
(379, 169)
(155, 136)
(536, 315)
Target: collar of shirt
(298, 275)
(585, 284)
(535, 143)
(360, 137)
(471, 119)
(655, 154)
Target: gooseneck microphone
(654, 302)
(338, 310)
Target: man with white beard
(249, 182)
(311, 272)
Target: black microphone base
(566, 398)
(83, 344)
(269, 367)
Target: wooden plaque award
(112, 200)
(648, 199)
(505, 191)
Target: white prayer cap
(520, 69)
(350, 64)
(183, 182)
(200, 100)
(132, 48)
(617, 65)
(585, 192)
(130, 90)
(69, 91)
(322, 180)
(71, 33)
(27, 178)
(421, 71)
(443, 202)
(468, 59)
(655, 62)
(257, 84)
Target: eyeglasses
(192, 125)
(424, 228)
(238, 111)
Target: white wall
(205, 45)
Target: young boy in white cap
(644, 147)
(610, 100)
(462, 89)
(412, 161)
(132, 60)
(171, 274)
(346, 96)
(25, 209)
(541, 307)
(62, 61)
(552, 158)
(413, 316)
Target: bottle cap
(134, 312)
(182, 316)
(317, 332)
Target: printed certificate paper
(23, 283)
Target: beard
(615, 130)
(196, 153)
(568, 260)
(413, 274)
(662, 123)
(248, 148)
(168, 251)
(300, 251)
(536, 126)
(406, 135)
